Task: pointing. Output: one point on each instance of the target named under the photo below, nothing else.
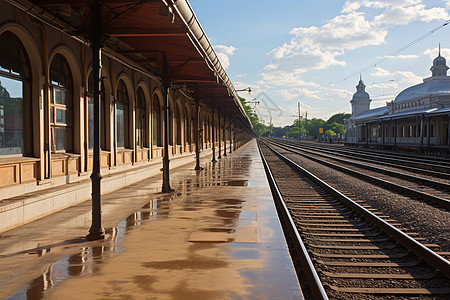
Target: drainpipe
(96, 231)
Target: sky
(314, 52)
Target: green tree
(339, 118)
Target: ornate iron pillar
(166, 87)
(197, 130)
(229, 123)
(224, 138)
(213, 137)
(96, 231)
(218, 126)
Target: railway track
(433, 166)
(348, 251)
(427, 189)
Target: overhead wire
(386, 57)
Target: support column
(218, 126)
(229, 127)
(166, 87)
(213, 137)
(428, 132)
(395, 135)
(448, 133)
(224, 138)
(421, 133)
(96, 231)
(197, 131)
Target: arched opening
(141, 127)
(156, 119)
(61, 105)
(122, 115)
(15, 98)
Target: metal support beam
(96, 231)
(166, 87)
(224, 138)
(218, 126)
(213, 137)
(230, 135)
(197, 130)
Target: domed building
(418, 118)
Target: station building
(162, 90)
(417, 119)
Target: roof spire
(439, 49)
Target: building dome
(439, 61)
(361, 93)
(436, 85)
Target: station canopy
(150, 34)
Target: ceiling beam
(145, 32)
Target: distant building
(418, 118)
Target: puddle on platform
(88, 260)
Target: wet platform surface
(217, 237)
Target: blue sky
(305, 51)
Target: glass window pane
(11, 116)
(120, 126)
(59, 138)
(61, 116)
(58, 96)
(52, 115)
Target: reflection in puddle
(87, 261)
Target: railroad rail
(440, 167)
(436, 192)
(355, 253)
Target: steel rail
(308, 268)
(438, 262)
(421, 180)
(412, 164)
(444, 203)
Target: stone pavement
(217, 237)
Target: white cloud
(433, 53)
(319, 47)
(352, 5)
(281, 78)
(401, 56)
(403, 15)
(224, 53)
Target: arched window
(61, 106)
(122, 115)
(156, 118)
(140, 119)
(103, 112)
(15, 98)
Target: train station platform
(217, 237)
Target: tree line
(314, 128)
